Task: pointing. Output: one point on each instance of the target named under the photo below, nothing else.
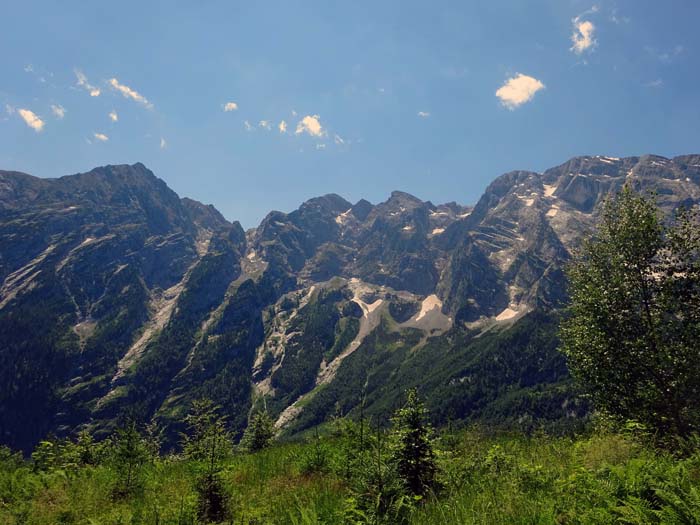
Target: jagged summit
(403, 197)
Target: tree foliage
(260, 432)
(632, 336)
(128, 456)
(207, 439)
(413, 449)
(208, 443)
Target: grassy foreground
(485, 479)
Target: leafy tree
(88, 452)
(153, 438)
(45, 454)
(259, 433)
(69, 455)
(632, 334)
(413, 449)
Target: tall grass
(485, 479)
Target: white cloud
(29, 68)
(113, 115)
(31, 119)
(338, 140)
(265, 124)
(58, 111)
(655, 83)
(583, 36)
(424, 114)
(320, 146)
(130, 93)
(163, 144)
(101, 137)
(518, 90)
(282, 127)
(247, 125)
(230, 106)
(83, 83)
(310, 124)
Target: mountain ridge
(119, 296)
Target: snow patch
(203, 241)
(506, 314)
(437, 231)
(343, 217)
(429, 304)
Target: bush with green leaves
(317, 459)
(68, 455)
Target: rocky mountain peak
(331, 203)
(361, 209)
(401, 198)
(205, 215)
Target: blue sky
(375, 96)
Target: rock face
(118, 296)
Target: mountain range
(118, 297)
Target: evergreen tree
(413, 450)
(208, 442)
(259, 433)
(632, 334)
(206, 439)
(128, 456)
